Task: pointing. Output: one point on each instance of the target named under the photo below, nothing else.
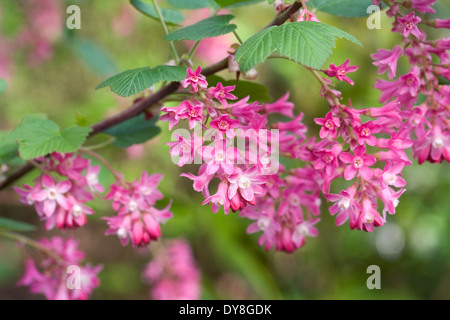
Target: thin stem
(193, 49)
(116, 174)
(324, 84)
(237, 37)
(29, 242)
(100, 145)
(166, 30)
(37, 165)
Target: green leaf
(256, 49)
(9, 150)
(134, 131)
(38, 137)
(130, 82)
(171, 16)
(235, 3)
(95, 57)
(192, 4)
(306, 42)
(345, 8)
(271, 1)
(3, 86)
(208, 28)
(256, 91)
(15, 225)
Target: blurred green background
(412, 249)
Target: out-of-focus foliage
(411, 249)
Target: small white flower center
(132, 205)
(77, 210)
(145, 190)
(52, 194)
(369, 218)
(223, 125)
(122, 232)
(344, 203)
(437, 142)
(329, 125)
(92, 179)
(244, 182)
(220, 156)
(263, 223)
(358, 162)
(294, 200)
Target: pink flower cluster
(422, 99)
(137, 219)
(58, 275)
(247, 177)
(173, 274)
(61, 203)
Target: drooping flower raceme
(62, 203)
(173, 274)
(59, 275)
(137, 220)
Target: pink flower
(346, 207)
(192, 112)
(438, 23)
(266, 220)
(295, 126)
(202, 180)
(137, 220)
(391, 173)
(369, 217)
(221, 157)
(195, 80)
(248, 183)
(423, 6)
(224, 124)
(52, 194)
(220, 198)
(281, 106)
(387, 60)
(222, 93)
(70, 166)
(185, 149)
(92, 179)
(329, 126)
(408, 25)
(173, 274)
(51, 277)
(304, 229)
(359, 162)
(147, 186)
(172, 116)
(365, 133)
(328, 158)
(72, 218)
(341, 71)
(307, 15)
(434, 147)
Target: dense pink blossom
(56, 278)
(62, 203)
(173, 274)
(138, 220)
